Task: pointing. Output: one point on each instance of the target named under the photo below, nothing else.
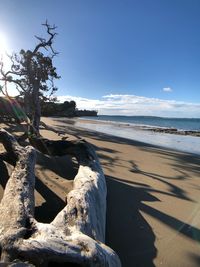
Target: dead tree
(76, 235)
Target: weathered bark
(76, 235)
(37, 109)
(17, 205)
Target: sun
(3, 44)
(4, 50)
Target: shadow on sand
(127, 232)
(51, 207)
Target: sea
(135, 128)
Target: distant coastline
(65, 109)
(182, 126)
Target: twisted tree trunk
(76, 235)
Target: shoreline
(153, 202)
(147, 126)
(179, 142)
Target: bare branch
(42, 40)
(14, 81)
(46, 43)
(6, 76)
(2, 91)
(14, 71)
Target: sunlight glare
(4, 48)
(3, 44)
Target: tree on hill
(52, 108)
(33, 73)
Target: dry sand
(153, 202)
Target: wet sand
(153, 203)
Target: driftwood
(76, 235)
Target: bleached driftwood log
(76, 235)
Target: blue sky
(121, 57)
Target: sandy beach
(153, 203)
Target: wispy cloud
(114, 104)
(167, 89)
